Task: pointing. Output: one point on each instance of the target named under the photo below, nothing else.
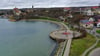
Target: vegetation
(1, 13)
(48, 18)
(80, 45)
(98, 45)
(98, 31)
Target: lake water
(26, 38)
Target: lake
(26, 38)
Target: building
(86, 23)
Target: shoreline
(54, 49)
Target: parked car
(98, 24)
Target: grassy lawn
(80, 45)
(98, 31)
(48, 18)
(98, 45)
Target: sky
(9, 4)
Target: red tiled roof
(15, 8)
(95, 7)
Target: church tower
(32, 6)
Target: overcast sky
(4, 4)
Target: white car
(98, 24)
(87, 25)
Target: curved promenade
(59, 34)
(65, 34)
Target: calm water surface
(26, 38)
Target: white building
(91, 19)
(90, 13)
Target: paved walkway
(90, 48)
(67, 49)
(68, 45)
(95, 52)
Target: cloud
(84, 2)
(46, 3)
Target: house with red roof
(86, 23)
(16, 11)
(67, 8)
